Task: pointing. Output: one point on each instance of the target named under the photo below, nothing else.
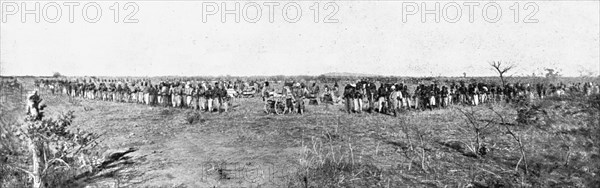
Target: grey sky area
(172, 38)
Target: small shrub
(194, 117)
(166, 112)
(324, 167)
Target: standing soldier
(151, 98)
(484, 91)
(164, 95)
(232, 93)
(80, 90)
(371, 93)
(209, 94)
(73, 88)
(336, 96)
(116, 93)
(110, 88)
(172, 94)
(195, 88)
(315, 91)
(159, 94)
(492, 94)
(430, 97)
(202, 99)
(452, 93)
(395, 95)
(358, 96)
(445, 96)
(462, 94)
(437, 92)
(382, 94)
(538, 89)
(300, 93)
(33, 105)
(508, 93)
(177, 95)
(348, 95)
(102, 90)
(406, 98)
(425, 91)
(188, 95)
(97, 93)
(417, 95)
(140, 92)
(265, 90)
(225, 96)
(159, 97)
(148, 92)
(500, 92)
(66, 88)
(474, 94)
(126, 93)
(86, 91)
(587, 88)
(216, 96)
(89, 91)
(133, 89)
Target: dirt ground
(248, 148)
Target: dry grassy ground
(326, 147)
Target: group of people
(389, 98)
(359, 96)
(292, 98)
(198, 95)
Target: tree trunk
(38, 163)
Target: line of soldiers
(389, 98)
(201, 96)
(362, 95)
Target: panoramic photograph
(307, 94)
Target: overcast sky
(370, 37)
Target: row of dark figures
(395, 102)
(206, 104)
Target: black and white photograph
(299, 93)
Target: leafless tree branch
(501, 69)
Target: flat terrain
(326, 147)
(247, 147)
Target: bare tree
(518, 139)
(501, 69)
(479, 127)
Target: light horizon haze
(171, 38)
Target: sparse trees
(552, 75)
(56, 75)
(502, 69)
